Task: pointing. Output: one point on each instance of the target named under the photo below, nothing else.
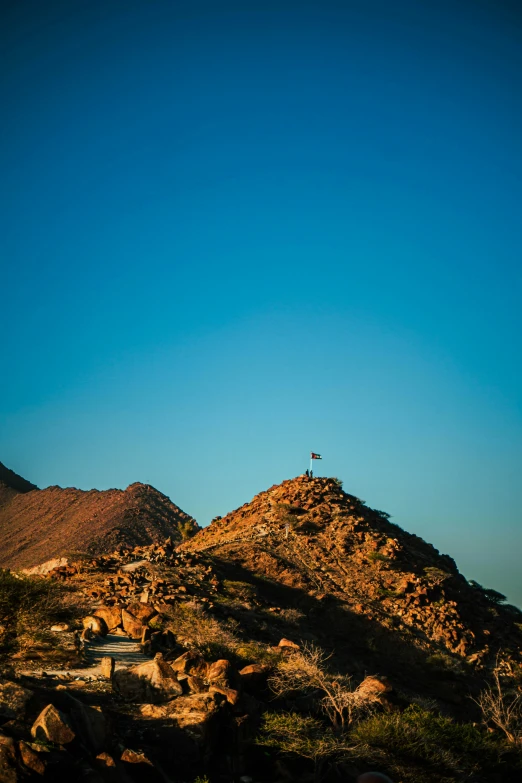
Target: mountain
(12, 484)
(37, 525)
(310, 535)
(303, 637)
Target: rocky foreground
(302, 637)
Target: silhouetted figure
(373, 777)
(307, 473)
(311, 474)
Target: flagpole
(311, 463)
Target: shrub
(28, 606)
(377, 556)
(304, 736)
(306, 671)
(502, 707)
(197, 630)
(421, 736)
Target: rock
(287, 643)
(196, 684)
(373, 689)
(13, 699)
(52, 725)
(59, 627)
(153, 682)
(105, 760)
(96, 624)
(86, 635)
(107, 665)
(8, 772)
(194, 714)
(254, 676)
(90, 724)
(230, 694)
(31, 759)
(142, 611)
(111, 615)
(191, 663)
(135, 757)
(220, 671)
(131, 625)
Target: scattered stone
(131, 625)
(111, 615)
(105, 760)
(288, 644)
(52, 725)
(8, 773)
(60, 627)
(13, 699)
(191, 663)
(107, 665)
(96, 624)
(31, 759)
(153, 682)
(135, 757)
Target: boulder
(89, 723)
(97, 625)
(8, 772)
(135, 757)
(31, 759)
(373, 689)
(111, 615)
(220, 671)
(105, 761)
(254, 676)
(288, 644)
(131, 625)
(142, 611)
(230, 694)
(59, 627)
(153, 682)
(53, 726)
(194, 714)
(13, 699)
(191, 662)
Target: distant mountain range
(37, 525)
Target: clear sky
(235, 232)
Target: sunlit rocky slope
(40, 524)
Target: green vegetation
(303, 736)
(427, 739)
(28, 607)
(377, 556)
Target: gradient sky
(234, 232)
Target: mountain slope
(312, 536)
(12, 484)
(38, 525)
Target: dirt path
(125, 651)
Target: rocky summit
(302, 637)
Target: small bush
(303, 736)
(28, 606)
(422, 736)
(377, 557)
(197, 630)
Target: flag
(313, 455)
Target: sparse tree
(502, 708)
(306, 671)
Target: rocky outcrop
(153, 682)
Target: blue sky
(234, 232)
